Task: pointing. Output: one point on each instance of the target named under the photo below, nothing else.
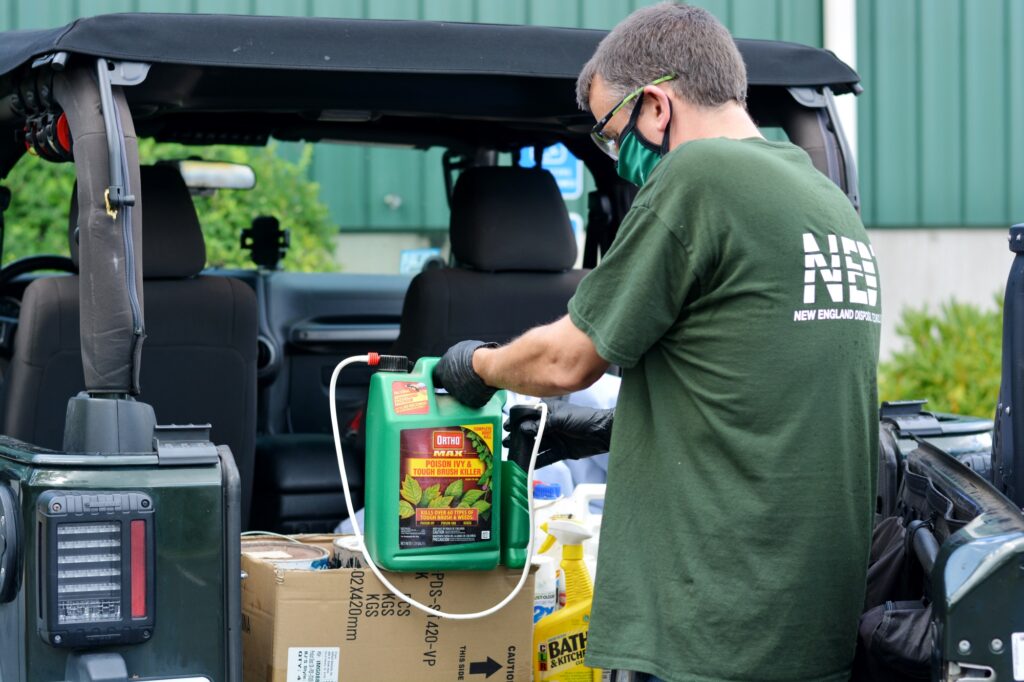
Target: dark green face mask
(637, 155)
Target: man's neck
(729, 120)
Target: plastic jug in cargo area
(431, 475)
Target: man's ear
(659, 105)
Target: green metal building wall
(941, 134)
(355, 181)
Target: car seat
(199, 355)
(514, 250)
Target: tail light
(96, 555)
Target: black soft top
(244, 79)
(423, 47)
(395, 46)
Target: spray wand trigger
(520, 444)
(516, 489)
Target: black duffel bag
(895, 634)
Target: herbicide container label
(445, 491)
(410, 397)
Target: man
(741, 299)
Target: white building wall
(920, 266)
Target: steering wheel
(9, 305)
(29, 264)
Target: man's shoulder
(689, 166)
(724, 169)
(698, 169)
(718, 156)
(709, 147)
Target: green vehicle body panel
(189, 635)
(978, 587)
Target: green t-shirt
(741, 298)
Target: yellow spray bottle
(560, 639)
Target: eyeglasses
(610, 145)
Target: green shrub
(951, 358)
(37, 219)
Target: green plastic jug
(433, 476)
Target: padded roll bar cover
(111, 353)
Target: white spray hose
(357, 531)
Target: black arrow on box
(485, 668)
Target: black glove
(572, 431)
(454, 372)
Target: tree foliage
(37, 220)
(952, 358)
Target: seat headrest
(172, 241)
(506, 218)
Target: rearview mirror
(209, 175)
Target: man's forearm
(554, 359)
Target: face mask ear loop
(668, 129)
(659, 149)
(634, 116)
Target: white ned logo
(850, 275)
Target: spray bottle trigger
(549, 541)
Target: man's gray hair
(668, 38)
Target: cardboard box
(343, 625)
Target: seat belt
(5, 203)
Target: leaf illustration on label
(477, 442)
(471, 496)
(405, 510)
(430, 494)
(411, 490)
(440, 502)
(454, 489)
(485, 479)
(481, 506)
